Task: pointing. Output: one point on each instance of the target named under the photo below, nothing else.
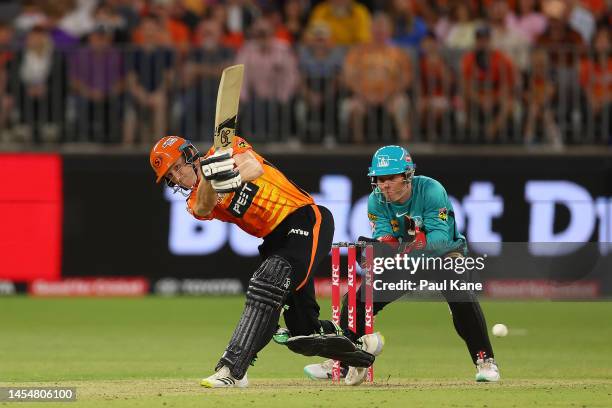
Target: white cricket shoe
(487, 370)
(322, 371)
(224, 379)
(373, 344)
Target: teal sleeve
(435, 218)
(379, 221)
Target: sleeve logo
(395, 225)
(443, 214)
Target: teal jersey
(428, 206)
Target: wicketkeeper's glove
(415, 238)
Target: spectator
(150, 74)
(32, 15)
(270, 83)
(173, 34)
(487, 85)
(581, 20)
(527, 21)
(320, 63)
(109, 18)
(596, 81)
(378, 75)
(127, 19)
(201, 75)
(38, 83)
(96, 76)
(598, 8)
(76, 16)
(563, 43)
(178, 10)
(348, 20)
(538, 96)
(63, 33)
(408, 28)
(295, 17)
(196, 7)
(512, 43)
(235, 18)
(279, 30)
(240, 15)
(436, 83)
(564, 47)
(6, 56)
(463, 26)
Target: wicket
(352, 293)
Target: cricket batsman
(237, 185)
(414, 212)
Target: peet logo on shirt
(242, 200)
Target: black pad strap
(268, 289)
(336, 347)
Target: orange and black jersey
(261, 204)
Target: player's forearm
(248, 166)
(250, 171)
(206, 199)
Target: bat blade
(228, 99)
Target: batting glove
(218, 166)
(227, 185)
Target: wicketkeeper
(408, 212)
(239, 186)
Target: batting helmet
(167, 151)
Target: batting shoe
(373, 344)
(487, 370)
(224, 379)
(323, 371)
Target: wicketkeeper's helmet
(390, 160)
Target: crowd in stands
(331, 71)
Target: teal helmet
(389, 160)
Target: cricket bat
(228, 99)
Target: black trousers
(304, 238)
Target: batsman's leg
(268, 289)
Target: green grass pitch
(152, 352)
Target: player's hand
(415, 238)
(218, 166)
(360, 255)
(411, 228)
(227, 185)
